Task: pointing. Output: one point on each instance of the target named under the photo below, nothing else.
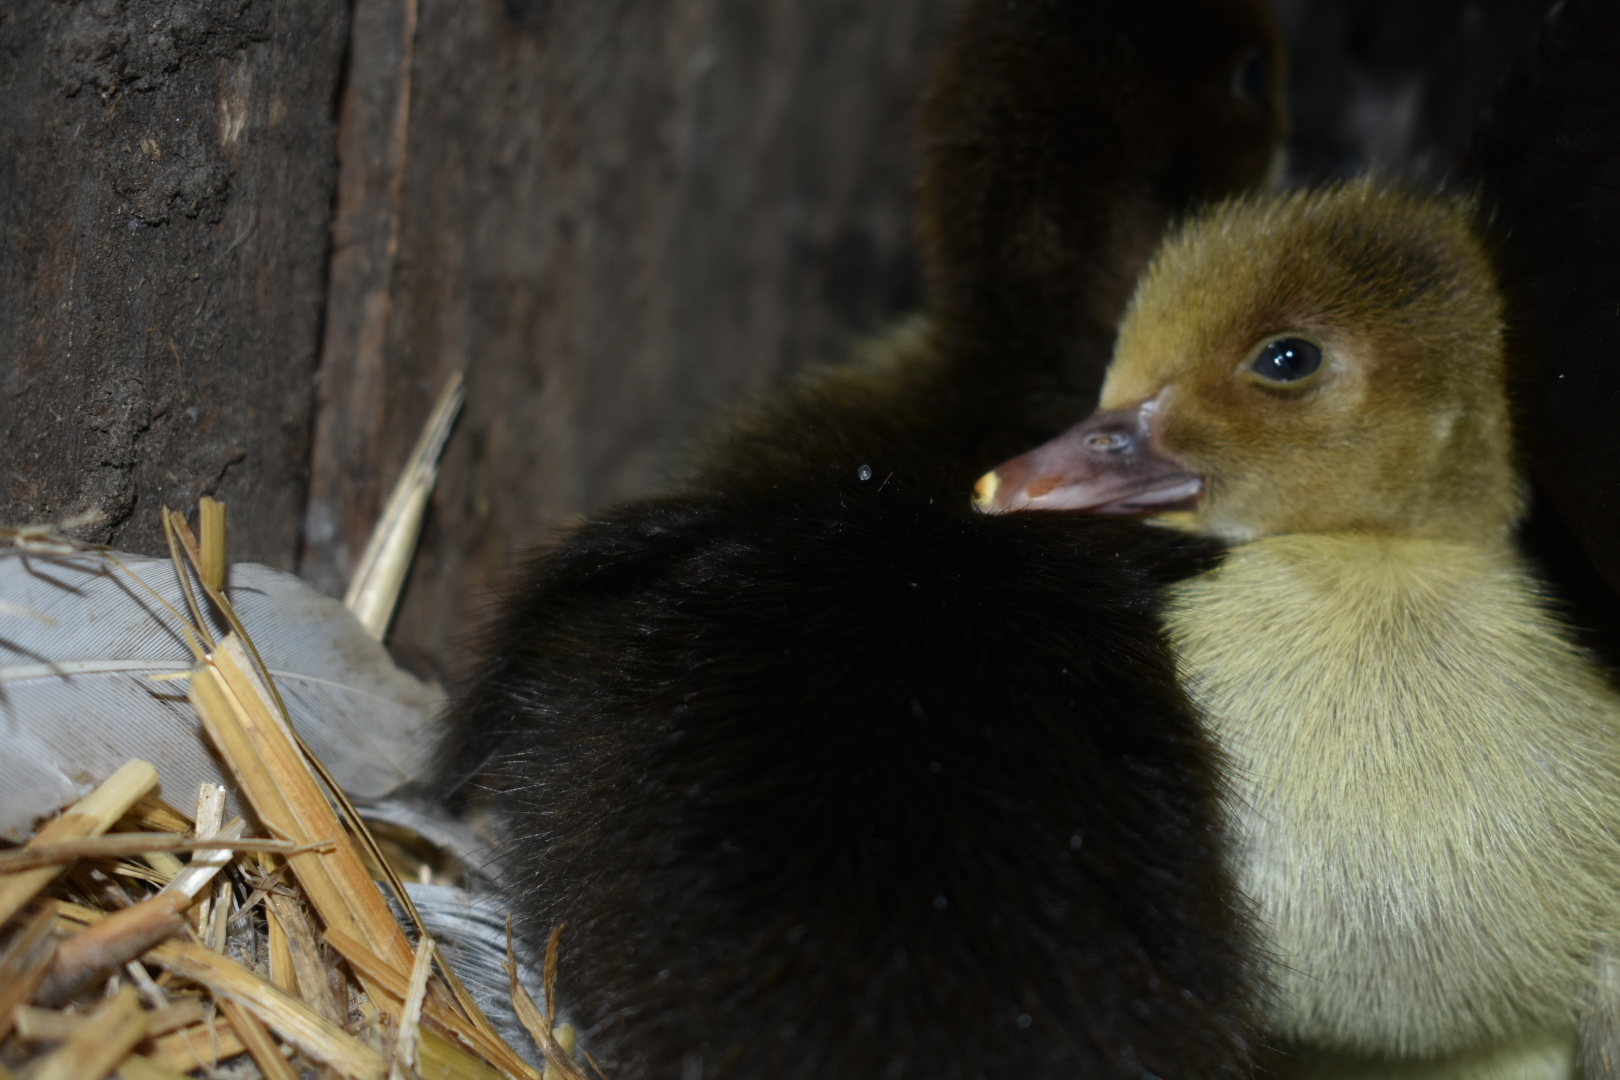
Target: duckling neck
(1425, 777)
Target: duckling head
(1322, 361)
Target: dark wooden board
(166, 169)
(616, 216)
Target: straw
(90, 816)
(313, 914)
(374, 590)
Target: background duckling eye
(1287, 360)
(1251, 79)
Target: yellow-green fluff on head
(1402, 428)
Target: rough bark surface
(166, 170)
(615, 216)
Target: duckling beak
(1110, 463)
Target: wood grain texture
(165, 178)
(616, 217)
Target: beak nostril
(1108, 442)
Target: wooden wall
(166, 176)
(246, 243)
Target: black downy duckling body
(829, 775)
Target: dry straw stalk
(313, 915)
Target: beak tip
(984, 492)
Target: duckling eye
(1287, 360)
(1252, 78)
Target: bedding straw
(90, 816)
(380, 575)
(126, 909)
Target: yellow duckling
(1424, 769)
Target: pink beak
(1109, 463)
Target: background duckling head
(1324, 361)
(1059, 139)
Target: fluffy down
(1425, 768)
(857, 785)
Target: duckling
(828, 774)
(1424, 768)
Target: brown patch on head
(1404, 428)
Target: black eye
(1287, 359)
(1252, 78)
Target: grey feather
(470, 928)
(79, 640)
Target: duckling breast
(1426, 780)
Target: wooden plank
(165, 170)
(620, 216)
